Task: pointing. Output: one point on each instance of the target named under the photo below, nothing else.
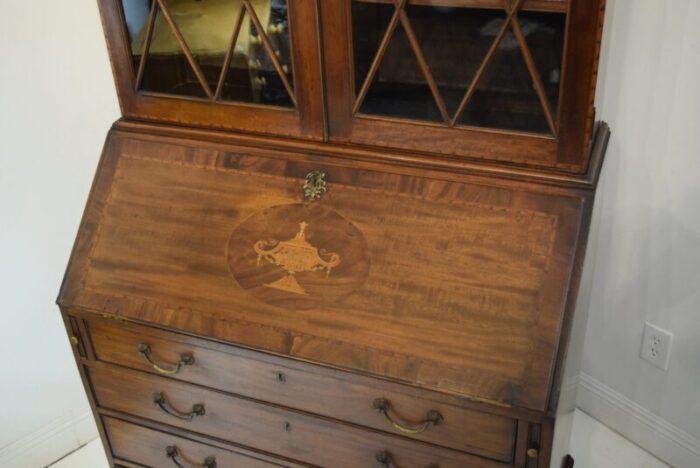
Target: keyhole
(281, 377)
(287, 426)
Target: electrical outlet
(656, 346)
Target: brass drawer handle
(432, 419)
(197, 410)
(186, 359)
(173, 453)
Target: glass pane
(544, 33)
(505, 97)
(399, 88)
(455, 41)
(252, 76)
(207, 28)
(167, 69)
(136, 15)
(453, 45)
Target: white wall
(57, 102)
(646, 257)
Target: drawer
(264, 427)
(143, 446)
(339, 395)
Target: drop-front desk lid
(455, 285)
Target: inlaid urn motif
(298, 256)
(294, 256)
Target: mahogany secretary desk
(338, 233)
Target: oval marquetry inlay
(298, 256)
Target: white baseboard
(649, 431)
(51, 442)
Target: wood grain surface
(464, 294)
(326, 392)
(147, 447)
(267, 428)
(439, 271)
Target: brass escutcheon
(315, 185)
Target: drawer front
(137, 444)
(268, 428)
(310, 388)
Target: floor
(91, 455)
(594, 446)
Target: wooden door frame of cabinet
(567, 153)
(579, 79)
(306, 121)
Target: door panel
(220, 63)
(460, 78)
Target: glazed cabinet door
(249, 65)
(480, 79)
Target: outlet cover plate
(656, 346)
